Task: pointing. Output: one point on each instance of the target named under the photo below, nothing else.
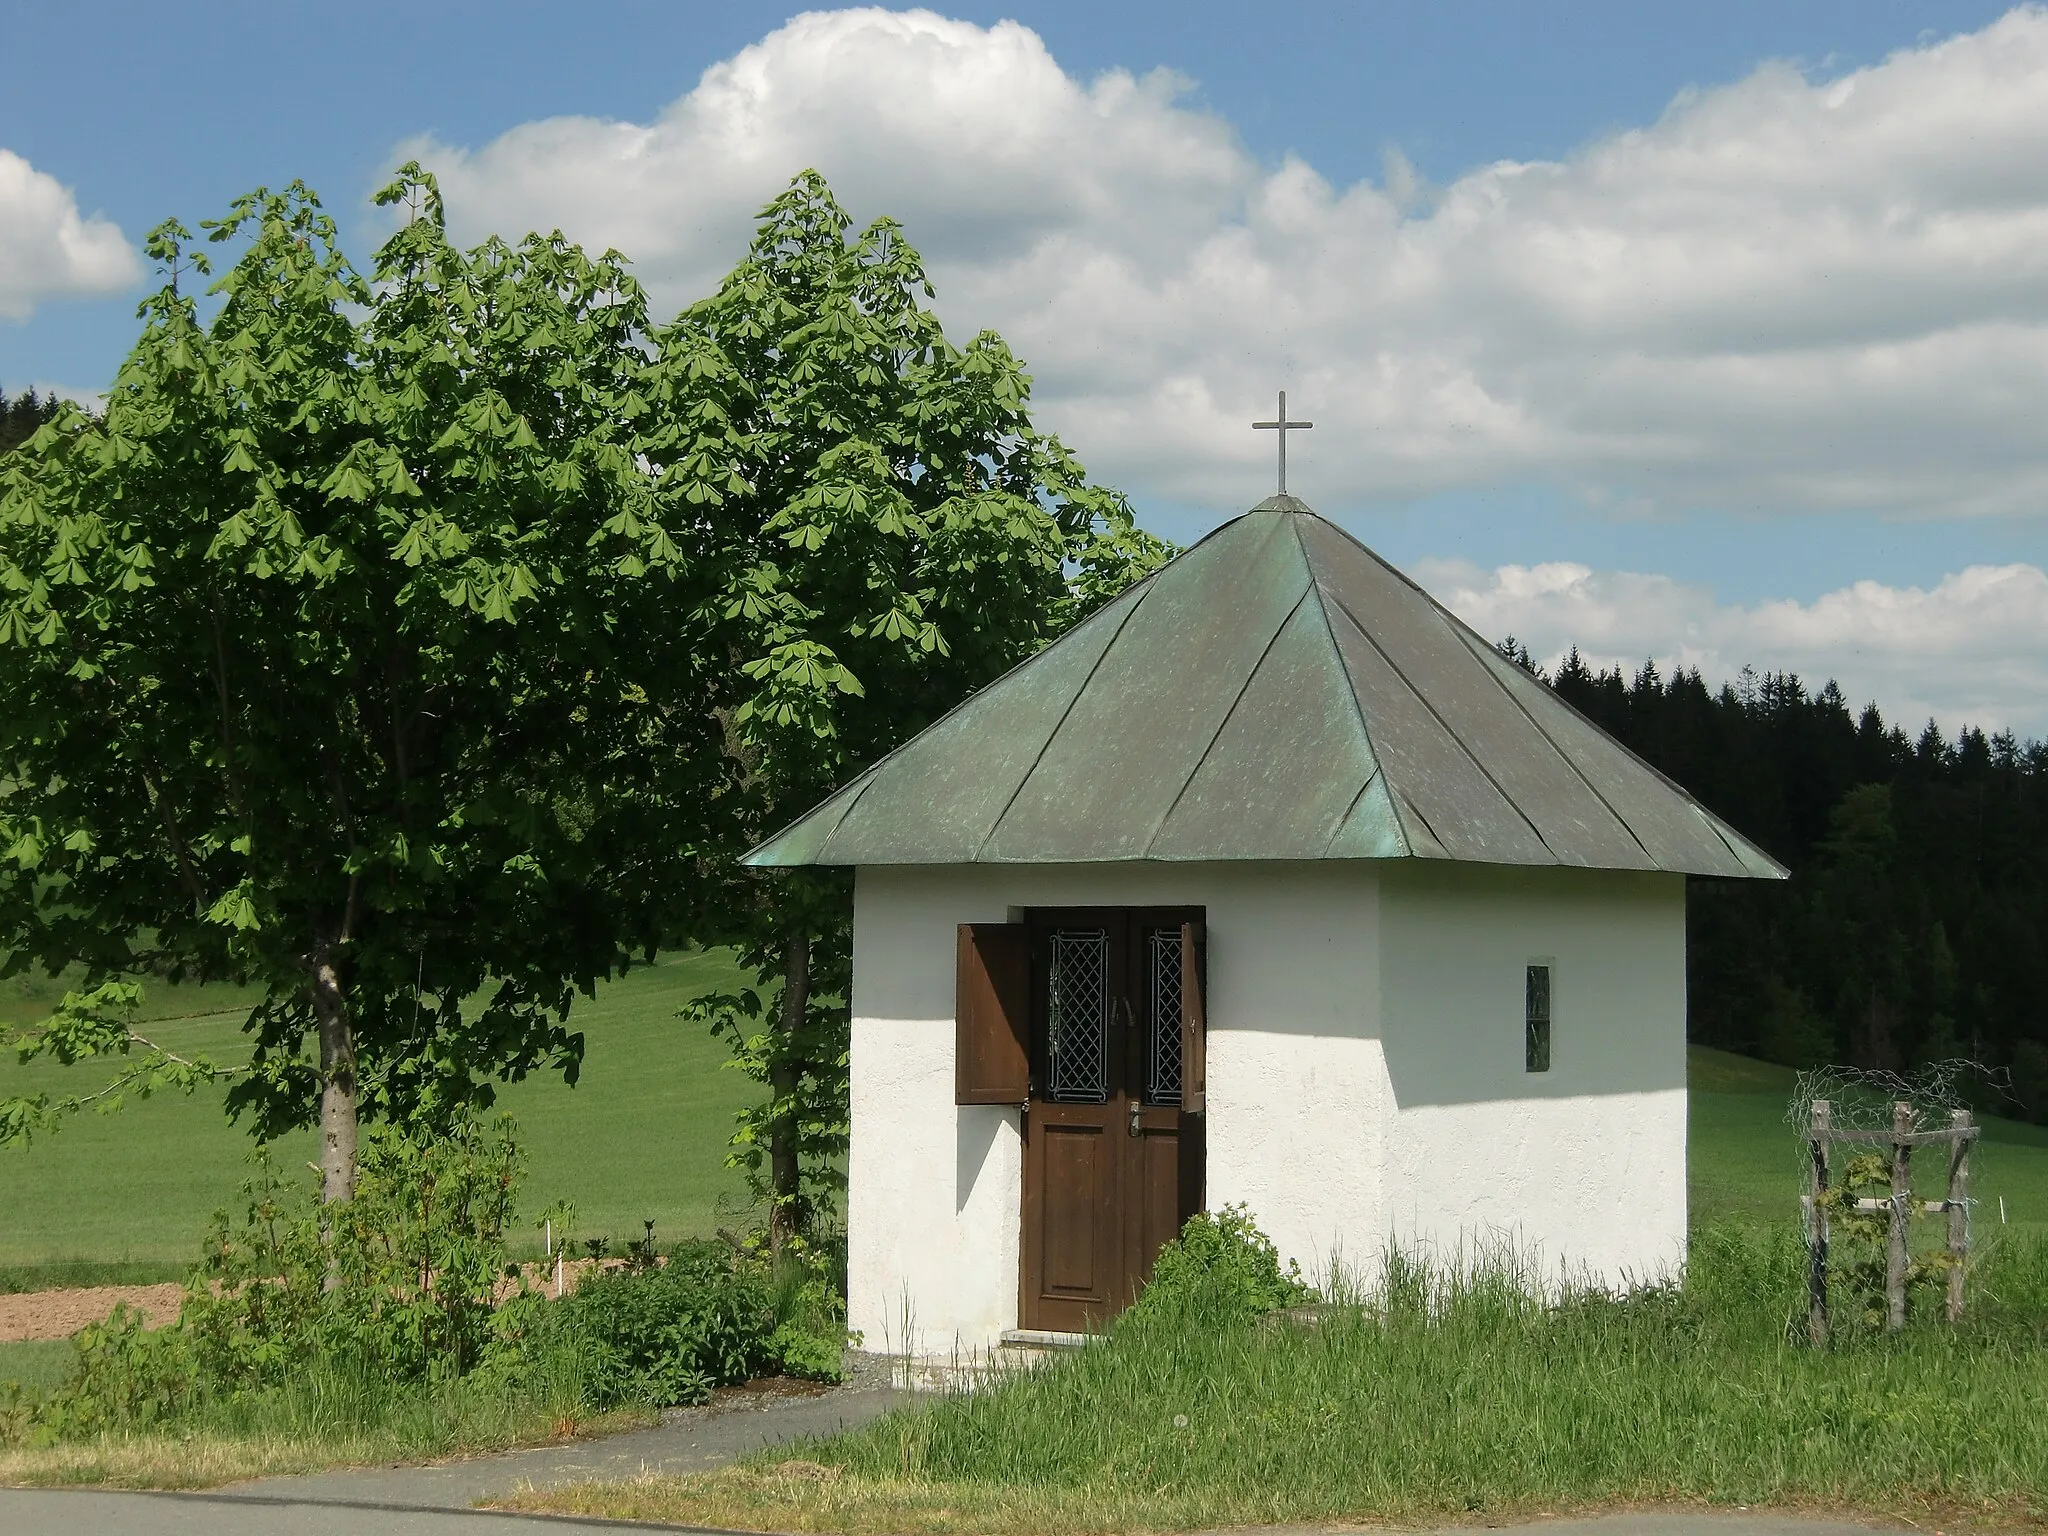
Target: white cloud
(1972, 649)
(47, 250)
(1783, 293)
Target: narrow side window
(1536, 1020)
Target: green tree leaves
(317, 652)
(886, 532)
(423, 645)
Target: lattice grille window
(1077, 1017)
(1162, 1072)
(1536, 1019)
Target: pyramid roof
(1276, 692)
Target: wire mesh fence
(1869, 1245)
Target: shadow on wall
(1457, 944)
(975, 1129)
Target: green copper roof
(1276, 692)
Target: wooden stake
(1958, 1211)
(1817, 1229)
(1902, 1194)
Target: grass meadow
(1435, 1396)
(125, 1197)
(1433, 1399)
(1745, 1158)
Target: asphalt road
(433, 1500)
(68, 1512)
(439, 1500)
(78, 1513)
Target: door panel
(1153, 1195)
(1074, 1260)
(1076, 1266)
(1113, 1164)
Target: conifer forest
(1914, 927)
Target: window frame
(1539, 1042)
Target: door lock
(1135, 1108)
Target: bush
(402, 1299)
(401, 1281)
(1221, 1270)
(396, 1289)
(706, 1317)
(127, 1377)
(668, 1335)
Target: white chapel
(1269, 883)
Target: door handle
(1135, 1108)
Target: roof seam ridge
(1714, 826)
(1146, 590)
(865, 783)
(1468, 641)
(1224, 724)
(1463, 746)
(1364, 726)
(1425, 823)
(1352, 809)
(873, 770)
(1461, 627)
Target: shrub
(401, 1281)
(127, 1377)
(397, 1288)
(400, 1296)
(1221, 1270)
(706, 1317)
(668, 1335)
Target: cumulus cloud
(1972, 649)
(1784, 293)
(47, 249)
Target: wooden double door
(1113, 1146)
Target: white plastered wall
(1295, 1079)
(1584, 1163)
(1365, 1076)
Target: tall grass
(325, 1415)
(1448, 1388)
(64, 1273)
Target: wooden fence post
(1958, 1210)
(1895, 1256)
(1817, 1229)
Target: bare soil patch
(59, 1314)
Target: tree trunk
(338, 1080)
(784, 1174)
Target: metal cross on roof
(1282, 426)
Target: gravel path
(34, 1315)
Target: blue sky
(1522, 391)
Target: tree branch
(180, 850)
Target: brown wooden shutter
(992, 1015)
(1194, 1020)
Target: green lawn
(41, 1364)
(1745, 1158)
(642, 1135)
